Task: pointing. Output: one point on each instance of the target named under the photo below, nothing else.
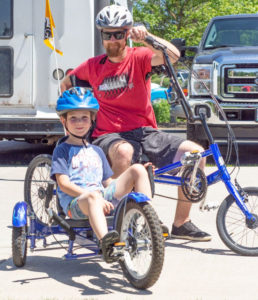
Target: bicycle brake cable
(231, 136)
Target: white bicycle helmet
(114, 16)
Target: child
(85, 187)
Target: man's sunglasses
(118, 35)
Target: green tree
(186, 18)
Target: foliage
(163, 81)
(162, 111)
(186, 18)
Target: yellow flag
(49, 29)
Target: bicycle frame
(83, 234)
(221, 173)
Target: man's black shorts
(160, 147)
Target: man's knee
(121, 151)
(189, 146)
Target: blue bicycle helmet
(76, 98)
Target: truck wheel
(192, 136)
(36, 186)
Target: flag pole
(58, 78)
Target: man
(126, 125)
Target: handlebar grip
(150, 40)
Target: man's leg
(118, 150)
(182, 214)
(120, 155)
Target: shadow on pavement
(103, 280)
(189, 245)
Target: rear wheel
(36, 185)
(239, 234)
(19, 245)
(140, 229)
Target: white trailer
(28, 89)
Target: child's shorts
(74, 211)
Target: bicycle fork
(225, 177)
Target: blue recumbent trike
(140, 251)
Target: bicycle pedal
(119, 244)
(165, 235)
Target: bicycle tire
(233, 230)
(19, 245)
(35, 187)
(145, 218)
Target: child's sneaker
(106, 245)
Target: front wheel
(234, 229)
(19, 245)
(139, 227)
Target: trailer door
(16, 36)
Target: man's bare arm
(66, 83)
(139, 33)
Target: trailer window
(6, 19)
(6, 71)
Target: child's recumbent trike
(140, 251)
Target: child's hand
(107, 207)
(150, 164)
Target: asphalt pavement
(192, 270)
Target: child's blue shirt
(85, 167)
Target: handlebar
(173, 78)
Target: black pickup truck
(227, 61)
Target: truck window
(6, 74)
(6, 17)
(232, 33)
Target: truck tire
(192, 136)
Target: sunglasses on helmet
(118, 35)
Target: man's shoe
(106, 245)
(189, 231)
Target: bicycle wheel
(35, 187)
(233, 228)
(140, 229)
(19, 245)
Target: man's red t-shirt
(121, 90)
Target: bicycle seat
(82, 223)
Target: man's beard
(115, 49)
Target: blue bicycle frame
(220, 174)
